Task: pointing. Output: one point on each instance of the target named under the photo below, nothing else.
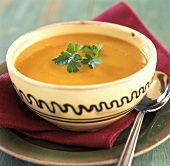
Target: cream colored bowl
(87, 107)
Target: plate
(155, 130)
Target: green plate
(155, 130)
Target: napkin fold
(15, 114)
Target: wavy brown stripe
(93, 120)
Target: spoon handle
(128, 151)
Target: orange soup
(119, 59)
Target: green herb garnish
(73, 60)
(92, 57)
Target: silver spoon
(156, 97)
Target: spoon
(156, 97)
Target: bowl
(84, 107)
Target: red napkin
(15, 114)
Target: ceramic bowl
(85, 107)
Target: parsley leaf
(70, 48)
(62, 59)
(73, 66)
(70, 57)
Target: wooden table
(20, 16)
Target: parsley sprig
(73, 60)
(92, 57)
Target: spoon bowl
(158, 94)
(156, 97)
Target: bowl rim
(11, 50)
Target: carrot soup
(119, 59)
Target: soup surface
(119, 59)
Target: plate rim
(53, 163)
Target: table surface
(20, 16)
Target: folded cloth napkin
(15, 114)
